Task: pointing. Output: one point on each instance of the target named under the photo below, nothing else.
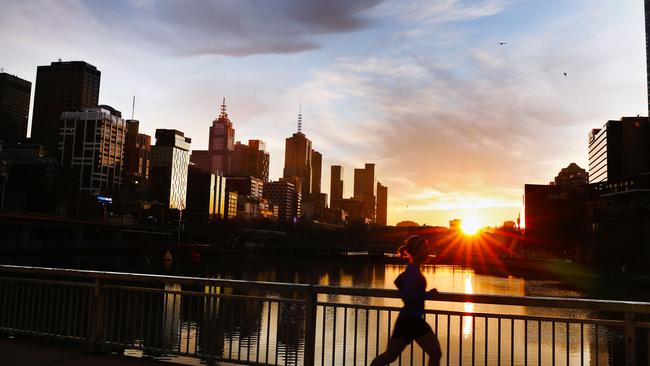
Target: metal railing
(294, 324)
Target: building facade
(336, 183)
(284, 195)
(92, 143)
(15, 94)
(382, 204)
(61, 87)
(136, 156)
(619, 150)
(206, 195)
(170, 158)
(298, 160)
(364, 189)
(571, 175)
(258, 160)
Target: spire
(300, 118)
(223, 109)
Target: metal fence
(293, 324)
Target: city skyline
(444, 144)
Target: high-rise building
(239, 165)
(316, 172)
(258, 160)
(170, 158)
(61, 87)
(206, 195)
(382, 204)
(571, 175)
(336, 183)
(15, 94)
(297, 160)
(92, 143)
(245, 186)
(619, 150)
(284, 195)
(221, 145)
(136, 156)
(364, 189)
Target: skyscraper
(92, 143)
(221, 145)
(61, 87)
(364, 189)
(297, 160)
(619, 150)
(336, 183)
(136, 156)
(258, 160)
(170, 159)
(239, 164)
(316, 172)
(283, 194)
(14, 108)
(382, 204)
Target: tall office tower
(336, 183)
(258, 160)
(382, 204)
(170, 158)
(206, 195)
(284, 195)
(92, 143)
(297, 160)
(619, 150)
(316, 172)
(239, 165)
(364, 189)
(61, 87)
(136, 156)
(221, 145)
(14, 108)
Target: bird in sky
(502, 43)
(565, 74)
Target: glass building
(170, 158)
(14, 108)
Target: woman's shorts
(409, 328)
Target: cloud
(233, 28)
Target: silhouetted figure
(410, 324)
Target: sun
(470, 226)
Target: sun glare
(470, 226)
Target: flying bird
(502, 43)
(565, 74)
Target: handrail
(637, 307)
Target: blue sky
(455, 123)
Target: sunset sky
(455, 123)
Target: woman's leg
(430, 345)
(393, 350)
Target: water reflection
(469, 308)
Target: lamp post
(181, 207)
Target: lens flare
(470, 226)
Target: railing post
(630, 348)
(310, 326)
(95, 317)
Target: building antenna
(300, 117)
(133, 108)
(223, 108)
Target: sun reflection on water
(468, 307)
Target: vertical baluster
(597, 341)
(582, 344)
(568, 344)
(499, 341)
(525, 341)
(365, 353)
(322, 361)
(259, 335)
(473, 340)
(377, 334)
(539, 342)
(448, 337)
(485, 336)
(268, 332)
(345, 332)
(334, 310)
(512, 342)
(356, 335)
(553, 342)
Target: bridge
(245, 322)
